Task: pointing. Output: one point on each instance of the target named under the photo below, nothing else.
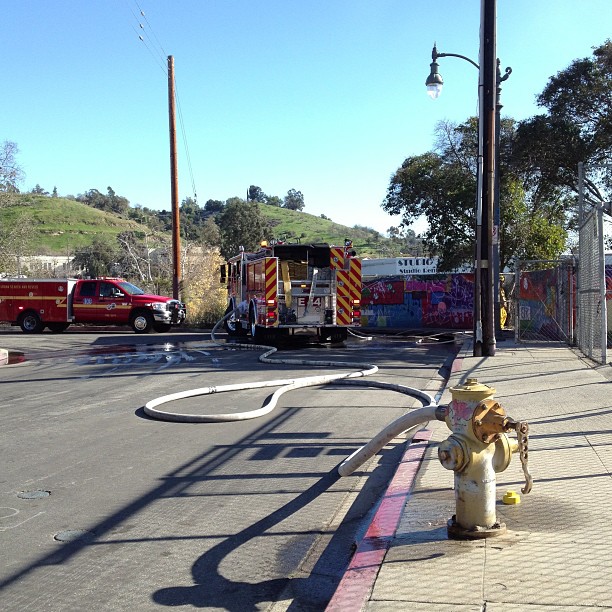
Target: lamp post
(486, 297)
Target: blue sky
(323, 96)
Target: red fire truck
(285, 287)
(34, 304)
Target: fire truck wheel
(142, 322)
(232, 325)
(58, 328)
(255, 329)
(30, 323)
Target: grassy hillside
(290, 225)
(62, 225)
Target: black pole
(489, 78)
(497, 210)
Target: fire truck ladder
(315, 271)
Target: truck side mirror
(223, 277)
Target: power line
(152, 31)
(155, 58)
(159, 55)
(187, 154)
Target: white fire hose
(348, 466)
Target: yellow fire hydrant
(476, 450)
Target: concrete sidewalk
(557, 552)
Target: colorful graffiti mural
(437, 301)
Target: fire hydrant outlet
(452, 454)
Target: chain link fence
(592, 337)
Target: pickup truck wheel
(162, 328)
(30, 323)
(58, 328)
(142, 322)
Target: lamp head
(434, 81)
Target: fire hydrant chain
(522, 434)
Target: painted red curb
(358, 581)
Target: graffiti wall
(416, 302)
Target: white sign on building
(402, 266)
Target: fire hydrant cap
(511, 498)
(472, 385)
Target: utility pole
(176, 233)
(484, 338)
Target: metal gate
(544, 301)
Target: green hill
(291, 225)
(61, 225)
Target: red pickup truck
(34, 304)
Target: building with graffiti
(409, 293)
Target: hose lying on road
(351, 463)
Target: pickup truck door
(110, 301)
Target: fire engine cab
(285, 287)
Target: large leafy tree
(256, 194)
(441, 185)
(577, 127)
(241, 223)
(294, 200)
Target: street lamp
(434, 81)
(490, 240)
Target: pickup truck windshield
(130, 289)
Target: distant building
(53, 266)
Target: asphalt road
(103, 508)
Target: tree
(38, 190)
(97, 259)
(16, 242)
(117, 204)
(294, 200)
(241, 224)
(255, 194)
(441, 185)
(274, 201)
(576, 128)
(110, 202)
(214, 206)
(11, 173)
(210, 234)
